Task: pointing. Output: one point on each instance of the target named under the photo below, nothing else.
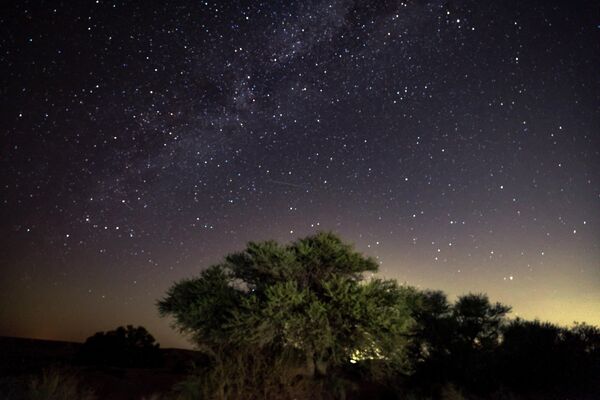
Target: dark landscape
(23, 359)
(300, 199)
(300, 320)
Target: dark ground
(23, 358)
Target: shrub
(58, 384)
(123, 347)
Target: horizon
(169, 341)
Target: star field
(455, 141)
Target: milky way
(455, 141)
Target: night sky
(455, 141)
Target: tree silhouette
(456, 342)
(478, 322)
(123, 347)
(479, 325)
(431, 346)
(542, 357)
(290, 321)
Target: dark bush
(127, 347)
(537, 357)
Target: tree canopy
(304, 319)
(123, 347)
(306, 305)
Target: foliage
(471, 345)
(455, 342)
(123, 347)
(57, 384)
(540, 356)
(299, 321)
(279, 318)
(478, 322)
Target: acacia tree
(302, 309)
(456, 341)
(125, 347)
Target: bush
(539, 357)
(128, 347)
(58, 384)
